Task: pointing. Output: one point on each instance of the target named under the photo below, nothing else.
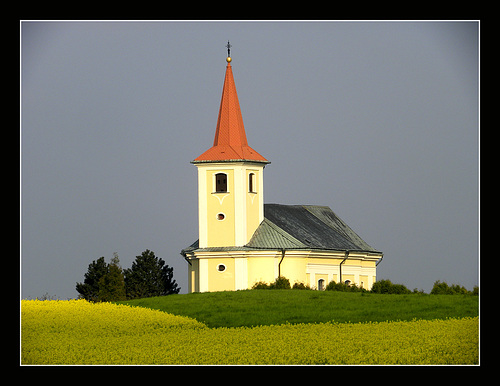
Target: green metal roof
(298, 227)
(270, 236)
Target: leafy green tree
(89, 289)
(149, 276)
(112, 284)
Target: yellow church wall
(328, 272)
(363, 281)
(351, 270)
(324, 261)
(348, 277)
(261, 268)
(359, 267)
(220, 233)
(368, 263)
(221, 280)
(293, 268)
(324, 278)
(243, 210)
(244, 268)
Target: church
(243, 241)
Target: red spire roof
(230, 143)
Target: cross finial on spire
(228, 46)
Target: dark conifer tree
(89, 289)
(149, 276)
(112, 284)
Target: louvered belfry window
(221, 182)
(251, 183)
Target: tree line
(148, 276)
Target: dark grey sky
(378, 120)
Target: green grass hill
(271, 307)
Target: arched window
(251, 183)
(321, 284)
(221, 182)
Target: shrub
(301, 286)
(442, 288)
(387, 287)
(332, 286)
(280, 283)
(260, 285)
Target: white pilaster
(202, 207)
(240, 203)
(203, 275)
(241, 273)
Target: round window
(221, 268)
(220, 216)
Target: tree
(442, 288)
(89, 289)
(112, 284)
(103, 282)
(149, 276)
(387, 287)
(169, 284)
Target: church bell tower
(230, 178)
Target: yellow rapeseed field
(80, 332)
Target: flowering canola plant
(81, 332)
